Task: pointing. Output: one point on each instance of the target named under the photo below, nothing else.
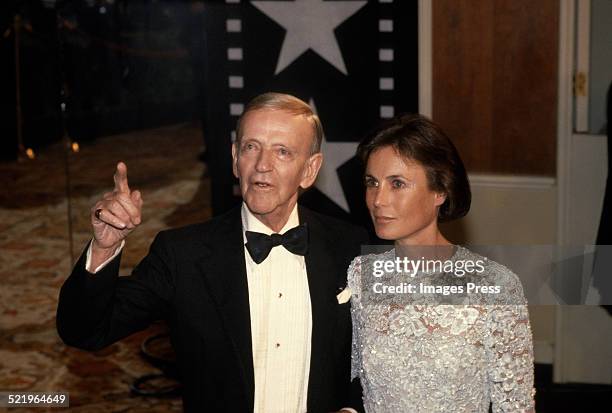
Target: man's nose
(264, 161)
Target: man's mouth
(262, 185)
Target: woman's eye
(396, 183)
(370, 183)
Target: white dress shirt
(281, 323)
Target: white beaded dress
(417, 355)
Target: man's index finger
(120, 178)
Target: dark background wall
(122, 66)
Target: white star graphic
(309, 24)
(335, 154)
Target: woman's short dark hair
(417, 138)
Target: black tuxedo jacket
(195, 278)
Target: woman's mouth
(381, 219)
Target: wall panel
(495, 80)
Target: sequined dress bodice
(429, 357)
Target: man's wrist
(98, 257)
(101, 253)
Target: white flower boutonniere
(344, 296)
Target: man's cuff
(88, 260)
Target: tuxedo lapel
(321, 283)
(224, 272)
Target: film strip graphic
(375, 55)
(386, 57)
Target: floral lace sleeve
(510, 351)
(354, 283)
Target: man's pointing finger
(120, 178)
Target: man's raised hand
(115, 215)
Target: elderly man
(254, 298)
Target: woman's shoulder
(363, 263)
(495, 274)
(366, 260)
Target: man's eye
(284, 152)
(248, 147)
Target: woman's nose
(381, 196)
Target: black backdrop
(348, 104)
(124, 66)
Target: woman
(411, 352)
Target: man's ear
(311, 170)
(235, 160)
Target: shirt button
(277, 345)
(280, 295)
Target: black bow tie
(259, 245)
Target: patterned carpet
(35, 258)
